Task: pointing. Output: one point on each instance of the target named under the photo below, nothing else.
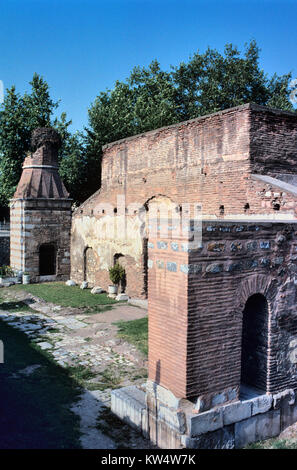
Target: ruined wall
(208, 161)
(208, 289)
(107, 239)
(273, 141)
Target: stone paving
(87, 340)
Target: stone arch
(90, 265)
(256, 284)
(47, 259)
(121, 259)
(173, 208)
(255, 343)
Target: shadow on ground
(36, 396)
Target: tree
(212, 82)
(14, 141)
(151, 98)
(19, 116)
(72, 160)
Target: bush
(116, 274)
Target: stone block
(128, 403)
(205, 422)
(237, 411)
(287, 397)
(219, 399)
(245, 432)
(221, 439)
(288, 416)
(84, 285)
(121, 297)
(174, 418)
(70, 283)
(162, 394)
(268, 425)
(97, 290)
(214, 268)
(257, 428)
(261, 404)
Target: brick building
(40, 214)
(239, 162)
(222, 315)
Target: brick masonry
(196, 303)
(240, 165)
(218, 161)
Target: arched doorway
(254, 355)
(47, 259)
(90, 264)
(121, 259)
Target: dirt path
(88, 347)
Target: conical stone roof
(40, 177)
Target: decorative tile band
(162, 245)
(150, 263)
(191, 268)
(160, 264)
(265, 245)
(171, 266)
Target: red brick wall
(195, 319)
(208, 160)
(273, 141)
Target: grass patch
(80, 374)
(274, 444)
(68, 296)
(135, 332)
(36, 408)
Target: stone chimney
(40, 213)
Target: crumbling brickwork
(222, 314)
(218, 161)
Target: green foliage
(67, 296)
(135, 332)
(151, 98)
(117, 274)
(72, 160)
(19, 116)
(6, 271)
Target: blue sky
(82, 46)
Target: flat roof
(242, 107)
